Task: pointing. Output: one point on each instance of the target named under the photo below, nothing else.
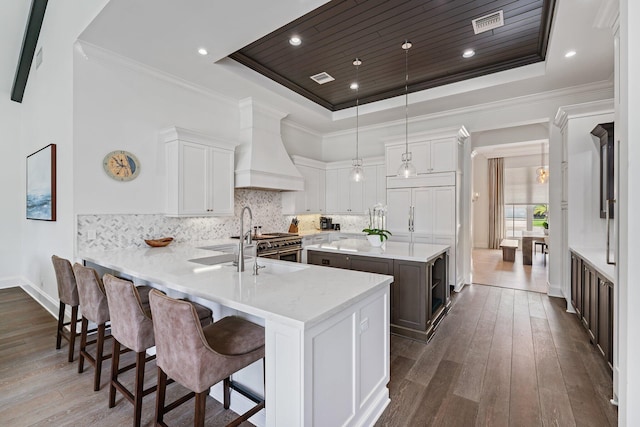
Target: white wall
(11, 190)
(480, 185)
(586, 228)
(121, 106)
(301, 142)
(495, 116)
(47, 118)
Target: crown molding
(602, 89)
(102, 54)
(608, 15)
(605, 106)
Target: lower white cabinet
(199, 174)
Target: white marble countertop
(393, 250)
(597, 257)
(297, 294)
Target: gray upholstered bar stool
(95, 309)
(132, 327)
(68, 295)
(198, 357)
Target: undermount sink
(280, 267)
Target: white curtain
(496, 202)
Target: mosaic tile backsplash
(130, 230)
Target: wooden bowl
(159, 243)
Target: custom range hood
(261, 159)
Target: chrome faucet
(243, 235)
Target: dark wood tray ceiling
(374, 30)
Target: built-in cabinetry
(199, 174)
(419, 293)
(428, 156)
(312, 198)
(592, 298)
(344, 196)
(427, 208)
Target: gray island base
(420, 295)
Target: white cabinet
(344, 196)
(421, 212)
(424, 215)
(438, 155)
(312, 198)
(199, 174)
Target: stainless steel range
(284, 246)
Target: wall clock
(121, 165)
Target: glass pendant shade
(357, 173)
(406, 169)
(542, 173)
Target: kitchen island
(420, 294)
(327, 331)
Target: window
(523, 217)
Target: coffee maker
(325, 223)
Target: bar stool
(95, 309)
(132, 327)
(198, 357)
(68, 295)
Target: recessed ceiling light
(570, 53)
(468, 53)
(202, 51)
(354, 86)
(295, 41)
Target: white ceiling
(165, 34)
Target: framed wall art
(41, 184)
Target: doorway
(523, 212)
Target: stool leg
(115, 361)
(227, 392)
(99, 355)
(139, 383)
(83, 344)
(60, 325)
(72, 331)
(201, 406)
(160, 396)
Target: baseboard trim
(47, 302)
(554, 291)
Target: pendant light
(542, 173)
(357, 173)
(406, 169)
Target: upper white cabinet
(312, 198)
(344, 196)
(199, 174)
(437, 155)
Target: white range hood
(261, 159)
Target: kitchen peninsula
(327, 330)
(420, 292)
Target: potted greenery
(545, 225)
(376, 234)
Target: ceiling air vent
(322, 78)
(488, 22)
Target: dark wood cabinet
(419, 293)
(592, 298)
(576, 283)
(604, 340)
(410, 297)
(328, 259)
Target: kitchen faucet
(242, 237)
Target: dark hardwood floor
(501, 357)
(38, 387)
